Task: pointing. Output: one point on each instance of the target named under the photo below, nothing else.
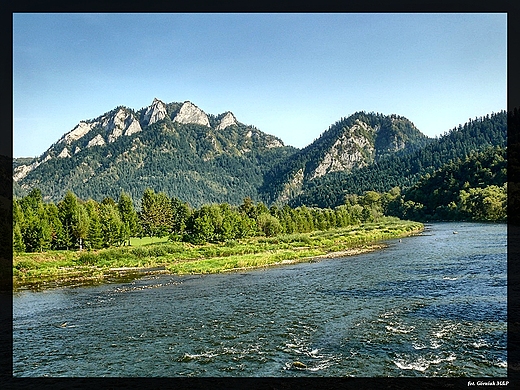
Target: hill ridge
(205, 158)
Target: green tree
(128, 216)
(57, 233)
(111, 224)
(80, 225)
(228, 228)
(18, 224)
(156, 213)
(200, 226)
(95, 233)
(67, 208)
(248, 207)
(180, 214)
(484, 204)
(269, 225)
(36, 230)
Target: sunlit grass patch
(135, 241)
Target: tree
(228, 228)
(200, 226)
(67, 209)
(57, 233)
(248, 207)
(484, 204)
(156, 213)
(128, 216)
(18, 223)
(111, 224)
(268, 225)
(80, 225)
(95, 234)
(180, 214)
(35, 230)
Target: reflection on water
(431, 305)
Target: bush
(87, 259)
(158, 251)
(139, 252)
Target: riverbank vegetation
(470, 189)
(74, 224)
(58, 267)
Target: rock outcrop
(64, 153)
(190, 113)
(351, 150)
(155, 112)
(78, 132)
(228, 120)
(96, 141)
(23, 170)
(123, 122)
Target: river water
(429, 305)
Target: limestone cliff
(353, 149)
(228, 120)
(190, 113)
(123, 122)
(154, 113)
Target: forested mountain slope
(361, 140)
(404, 170)
(474, 188)
(202, 158)
(175, 148)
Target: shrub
(87, 258)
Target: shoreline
(310, 259)
(122, 274)
(268, 253)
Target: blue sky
(290, 75)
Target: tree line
(470, 189)
(473, 188)
(75, 224)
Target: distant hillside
(203, 158)
(405, 169)
(473, 188)
(175, 148)
(361, 140)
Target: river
(428, 305)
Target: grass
(134, 241)
(62, 267)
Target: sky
(290, 75)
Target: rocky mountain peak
(155, 112)
(350, 150)
(227, 120)
(123, 122)
(79, 131)
(190, 113)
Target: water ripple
(431, 305)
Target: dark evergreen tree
(111, 225)
(67, 209)
(95, 233)
(128, 216)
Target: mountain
(204, 158)
(175, 147)
(405, 169)
(361, 140)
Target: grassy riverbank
(54, 268)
